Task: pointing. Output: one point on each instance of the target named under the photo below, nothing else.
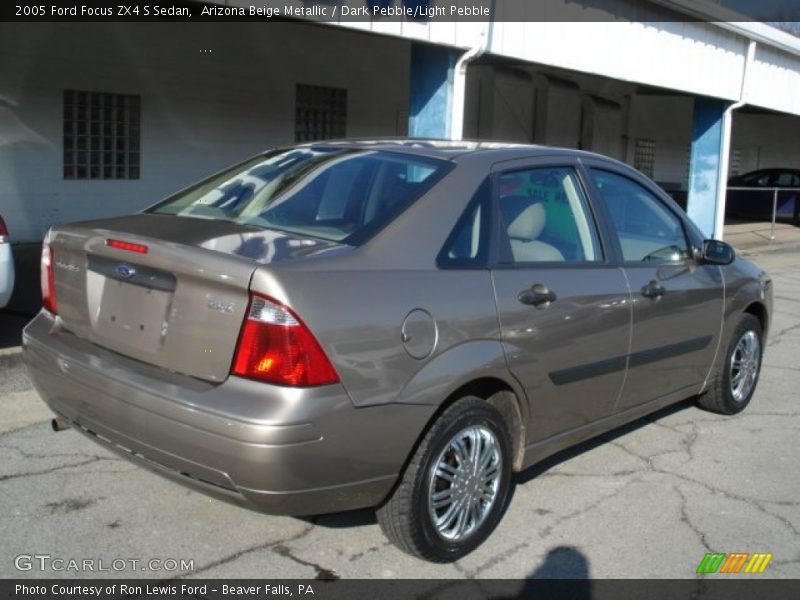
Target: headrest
(529, 223)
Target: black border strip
(734, 588)
(415, 11)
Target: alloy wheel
(464, 483)
(745, 362)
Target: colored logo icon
(720, 562)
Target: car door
(677, 302)
(563, 307)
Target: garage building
(98, 119)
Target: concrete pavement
(648, 500)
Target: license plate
(132, 316)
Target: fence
(754, 198)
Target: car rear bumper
(277, 450)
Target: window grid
(644, 156)
(101, 135)
(320, 113)
(687, 165)
(735, 162)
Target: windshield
(340, 195)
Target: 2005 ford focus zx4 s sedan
(398, 324)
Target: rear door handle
(537, 295)
(653, 290)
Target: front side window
(546, 216)
(648, 231)
(335, 194)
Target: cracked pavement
(646, 501)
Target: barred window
(644, 156)
(101, 135)
(320, 113)
(735, 167)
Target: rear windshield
(340, 195)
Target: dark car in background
(400, 324)
(756, 196)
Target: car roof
(452, 150)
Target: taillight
(3, 231)
(47, 278)
(276, 346)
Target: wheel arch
(759, 311)
(499, 393)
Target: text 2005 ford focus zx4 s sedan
(394, 324)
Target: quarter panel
(456, 367)
(357, 316)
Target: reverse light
(275, 346)
(47, 278)
(130, 247)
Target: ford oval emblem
(125, 271)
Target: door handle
(653, 290)
(538, 295)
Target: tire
(731, 388)
(407, 517)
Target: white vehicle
(6, 266)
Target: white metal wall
(692, 57)
(200, 111)
(774, 81)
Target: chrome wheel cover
(744, 365)
(464, 482)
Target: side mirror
(717, 253)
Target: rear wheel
(454, 489)
(732, 387)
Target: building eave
(735, 22)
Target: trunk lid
(179, 305)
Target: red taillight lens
(48, 279)
(130, 247)
(3, 231)
(276, 346)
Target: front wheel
(455, 487)
(733, 385)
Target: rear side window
(648, 231)
(756, 179)
(468, 244)
(341, 195)
(788, 180)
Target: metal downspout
(724, 151)
(460, 80)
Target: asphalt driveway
(647, 501)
